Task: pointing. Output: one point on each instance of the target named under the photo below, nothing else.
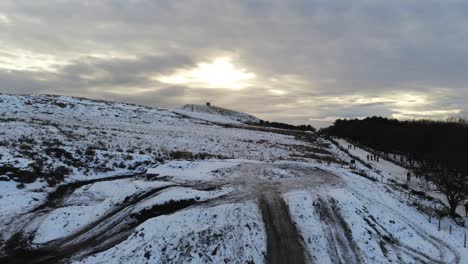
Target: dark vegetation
(187, 155)
(285, 126)
(435, 150)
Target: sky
(294, 61)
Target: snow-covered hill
(217, 114)
(85, 181)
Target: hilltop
(217, 114)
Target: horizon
(323, 125)
(297, 62)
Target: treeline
(286, 126)
(437, 150)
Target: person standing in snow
(367, 157)
(466, 208)
(408, 176)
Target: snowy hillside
(85, 181)
(217, 114)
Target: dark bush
(56, 175)
(90, 151)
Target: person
(466, 208)
(408, 176)
(367, 157)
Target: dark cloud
(329, 58)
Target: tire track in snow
(20, 226)
(100, 235)
(341, 246)
(440, 245)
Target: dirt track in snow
(283, 241)
(266, 183)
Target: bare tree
(453, 184)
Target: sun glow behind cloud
(24, 60)
(219, 73)
(4, 19)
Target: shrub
(90, 152)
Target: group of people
(373, 157)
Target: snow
(306, 217)
(124, 137)
(387, 168)
(88, 204)
(216, 114)
(376, 217)
(341, 216)
(209, 117)
(191, 171)
(14, 201)
(179, 194)
(408, 226)
(230, 233)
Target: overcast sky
(292, 61)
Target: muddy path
(284, 244)
(266, 183)
(56, 198)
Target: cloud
(297, 61)
(4, 19)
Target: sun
(219, 73)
